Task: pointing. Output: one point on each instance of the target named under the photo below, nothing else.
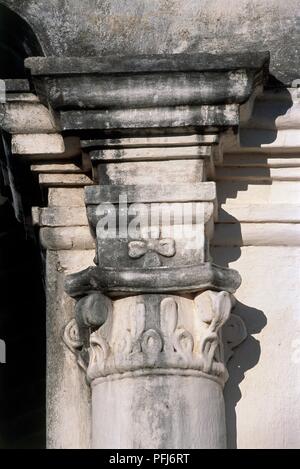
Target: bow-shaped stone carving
(150, 248)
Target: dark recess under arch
(17, 41)
(22, 302)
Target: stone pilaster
(60, 170)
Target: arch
(17, 41)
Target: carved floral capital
(158, 334)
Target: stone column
(157, 371)
(149, 316)
(155, 356)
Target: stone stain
(93, 27)
(156, 416)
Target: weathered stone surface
(64, 180)
(27, 118)
(56, 168)
(143, 417)
(68, 396)
(16, 85)
(136, 252)
(166, 331)
(139, 89)
(206, 80)
(182, 90)
(149, 142)
(153, 345)
(66, 197)
(150, 154)
(60, 216)
(156, 214)
(93, 310)
(112, 27)
(126, 64)
(71, 151)
(37, 144)
(182, 117)
(143, 173)
(205, 192)
(66, 238)
(22, 97)
(127, 281)
(151, 235)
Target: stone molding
(177, 79)
(191, 278)
(149, 92)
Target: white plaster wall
(263, 392)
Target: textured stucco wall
(262, 394)
(96, 27)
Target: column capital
(155, 335)
(158, 92)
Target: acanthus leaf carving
(169, 333)
(172, 333)
(168, 316)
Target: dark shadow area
(17, 41)
(245, 357)
(234, 187)
(232, 252)
(22, 310)
(22, 327)
(261, 128)
(22, 303)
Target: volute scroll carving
(157, 333)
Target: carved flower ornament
(151, 249)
